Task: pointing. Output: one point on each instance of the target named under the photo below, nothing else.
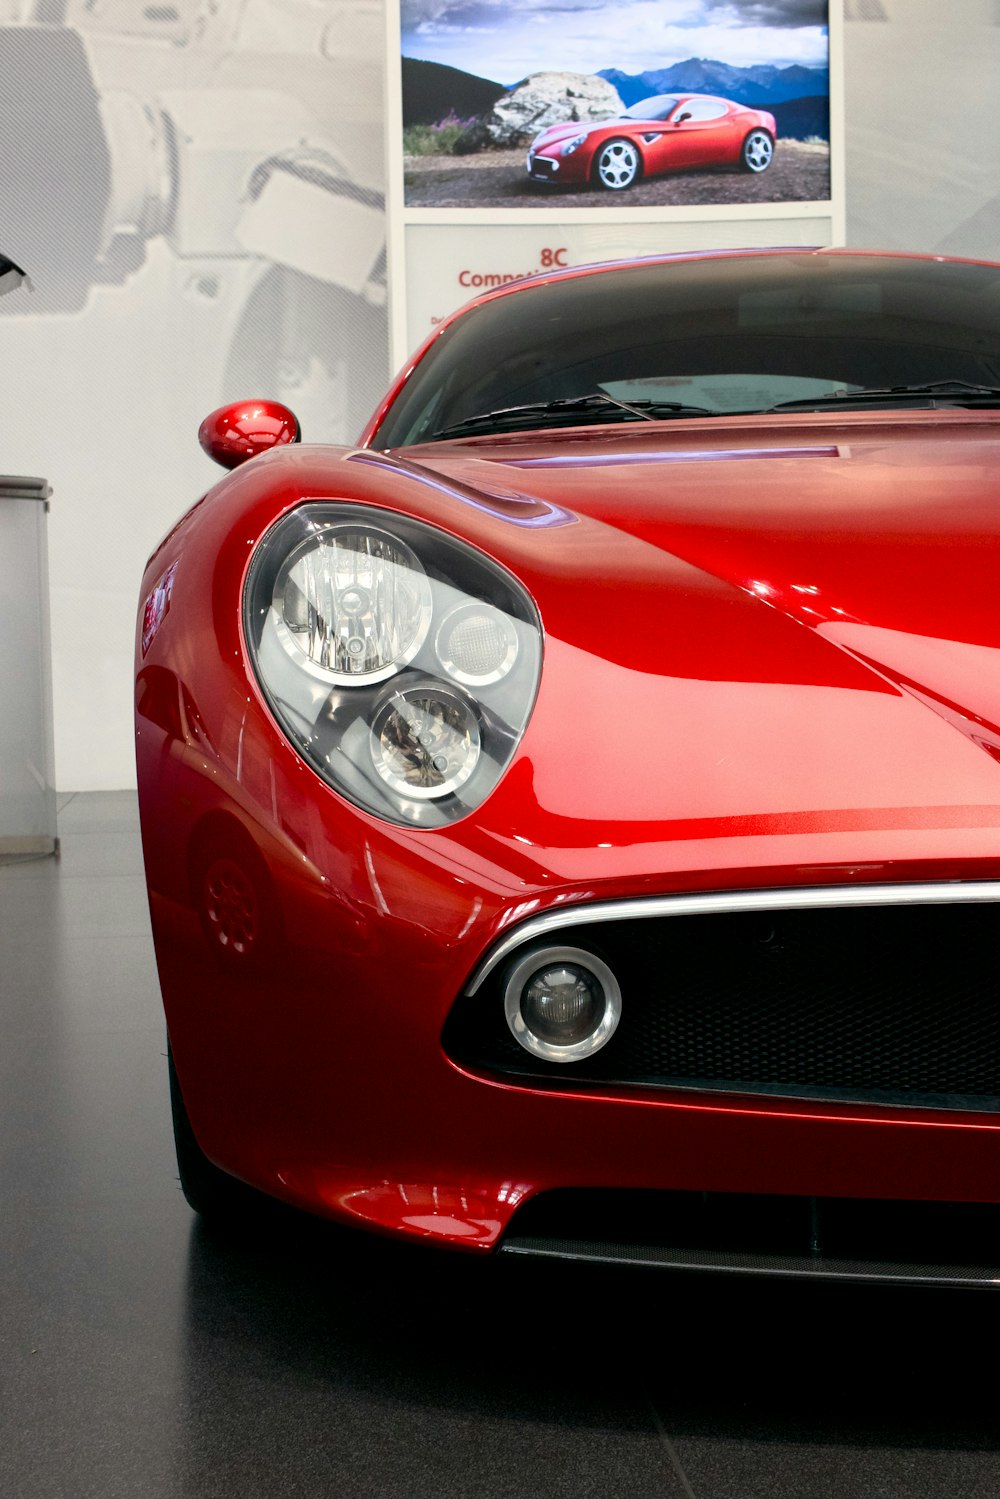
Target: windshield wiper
(961, 392)
(512, 418)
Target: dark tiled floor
(142, 1355)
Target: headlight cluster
(401, 663)
(574, 145)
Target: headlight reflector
(425, 741)
(351, 603)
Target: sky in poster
(504, 40)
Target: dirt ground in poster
(800, 172)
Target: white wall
(922, 96)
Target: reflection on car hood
(555, 133)
(880, 536)
(770, 647)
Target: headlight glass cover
(401, 663)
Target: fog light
(562, 1003)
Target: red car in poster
(667, 133)
(572, 816)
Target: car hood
(771, 649)
(570, 130)
(874, 536)
(789, 631)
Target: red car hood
(784, 630)
(569, 131)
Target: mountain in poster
(803, 119)
(761, 86)
(432, 91)
(798, 97)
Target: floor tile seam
(64, 877)
(71, 930)
(86, 835)
(118, 794)
(74, 913)
(27, 980)
(77, 838)
(69, 938)
(19, 1056)
(46, 1045)
(676, 1466)
(40, 1212)
(117, 822)
(51, 875)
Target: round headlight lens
(351, 604)
(425, 741)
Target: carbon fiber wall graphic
(195, 190)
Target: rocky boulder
(538, 101)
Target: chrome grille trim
(828, 897)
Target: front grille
(805, 1237)
(890, 1004)
(543, 166)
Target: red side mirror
(235, 433)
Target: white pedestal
(27, 774)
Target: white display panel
(446, 267)
(466, 216)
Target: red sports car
(572, 816)
(663, 134)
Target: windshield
(736, 333)
(650, 109)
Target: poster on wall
(540, 134)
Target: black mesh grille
(889, 1003)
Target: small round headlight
(562, 1003)
(425, 741)
(476, 644)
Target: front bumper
(320, 1076)
(542, 167)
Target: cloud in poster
(506, 42)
